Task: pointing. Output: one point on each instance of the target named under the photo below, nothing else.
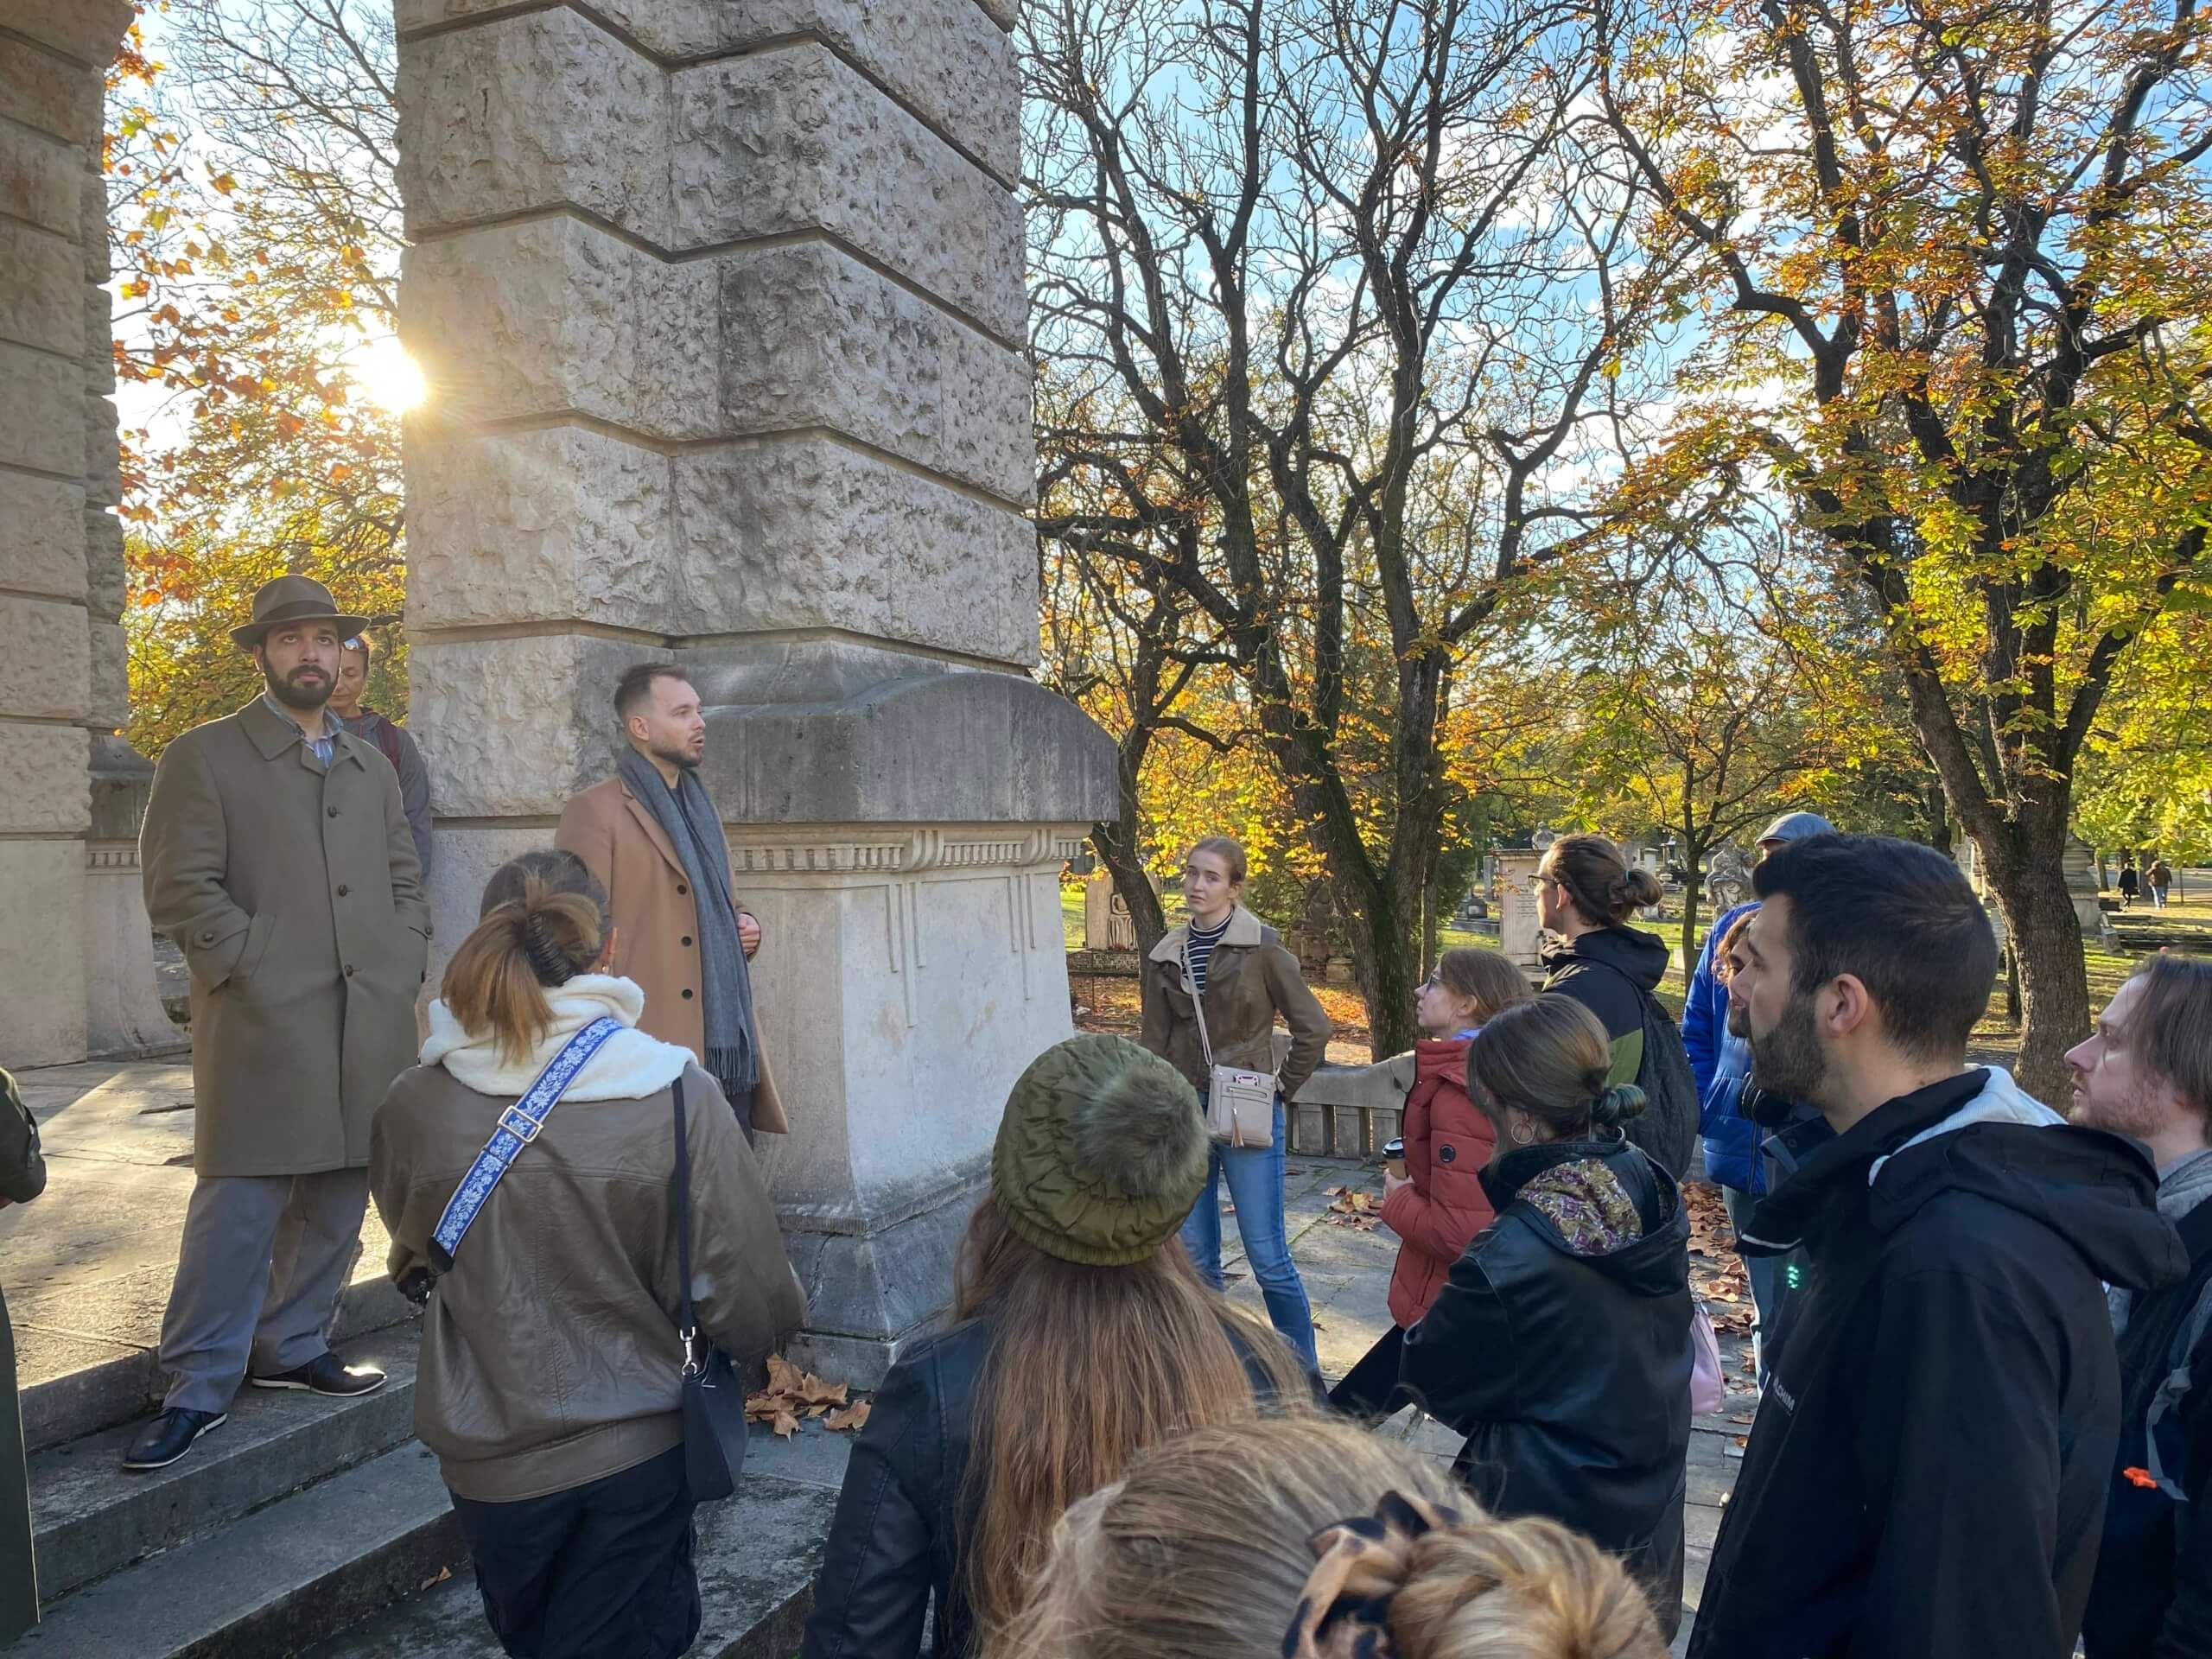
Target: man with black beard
(277, 856)
(1927, 1474)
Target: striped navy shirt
(1199, 951)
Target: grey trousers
(258, 1275)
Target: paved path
(87, 1267)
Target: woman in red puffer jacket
(1438, 1204)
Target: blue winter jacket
(1720, 1062)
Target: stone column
(61, 655)
(721, 307)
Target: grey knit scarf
(732, 1056)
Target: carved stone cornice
(900, 850)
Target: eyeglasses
(1537, 883)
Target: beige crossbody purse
(1240, 1104)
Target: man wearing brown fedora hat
(277, 856)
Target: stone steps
(89, 1398)
(91, 1519)
(273, 1581)
(757, 1556)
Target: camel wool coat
(294, 895)
(656, 924)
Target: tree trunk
(1385, 944)
(1117, 841)
(1693, 884)
(2024, 873)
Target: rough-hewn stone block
(103, 461)
(106, 585)
(512, 727)
(41, 288)
(528, 113)
(91, 219)
(794, 140)
(86, 31)
(99, 361)
(42, 536)
(811, 337)
(108, 698)
(561, 524)
(43, 658)
(48, 788)
(42, 896)
(49, 92)
(42, 415)
(1005, 13)
(41, 179)
(805, 533)
(557, 315)
(945, 59)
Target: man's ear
(1847, 1008)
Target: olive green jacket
(1251, 978)
(294, 895)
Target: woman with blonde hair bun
(1289, 1540)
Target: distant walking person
(1560, 1345)
(2130, 884)
(2146, 1073)
(391, 741)
(1237, 965)
(550, 1385)
(1438, 1205)
(277, 856)
(1585, 893)
(651, 836)
(1930, 1463)
(2158, 877)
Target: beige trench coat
(294, 896)
(656, 924)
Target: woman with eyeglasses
(1435, 1205)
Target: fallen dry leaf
(853, 1417)
(438, 1577)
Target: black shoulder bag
(714, 1401)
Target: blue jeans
(1255, 1178)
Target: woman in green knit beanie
(1081, 1336)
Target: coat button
(343, 889)
(687, 938)
(687, 995)
(349, 970)
(681, 889)
(209, 937)
(331, 810)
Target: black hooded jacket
(1926, 1474)
(1564, 1358)
(1602, 970)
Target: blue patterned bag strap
(519, 1126)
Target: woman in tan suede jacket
(551, 1379)
(1237, 963)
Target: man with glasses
(391, 739)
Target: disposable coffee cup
(1394, 1158)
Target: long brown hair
(543, 923)
(1233, 1508)
(1088, 1366)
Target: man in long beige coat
(277, 856)
(627, 835)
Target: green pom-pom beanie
(1100, 1153)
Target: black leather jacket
(1567, 1369)
(904, 1516)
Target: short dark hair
(636, 684)
(1899, 917)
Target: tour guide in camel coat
(303, 1013)
(656, 923)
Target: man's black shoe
(169, 1436)
(325, 1374)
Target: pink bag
(1709, 1392)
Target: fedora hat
(295, 599)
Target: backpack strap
(519, 1126)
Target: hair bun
(1618, 1105)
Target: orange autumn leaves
(793, 1395)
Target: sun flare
(389, 377)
